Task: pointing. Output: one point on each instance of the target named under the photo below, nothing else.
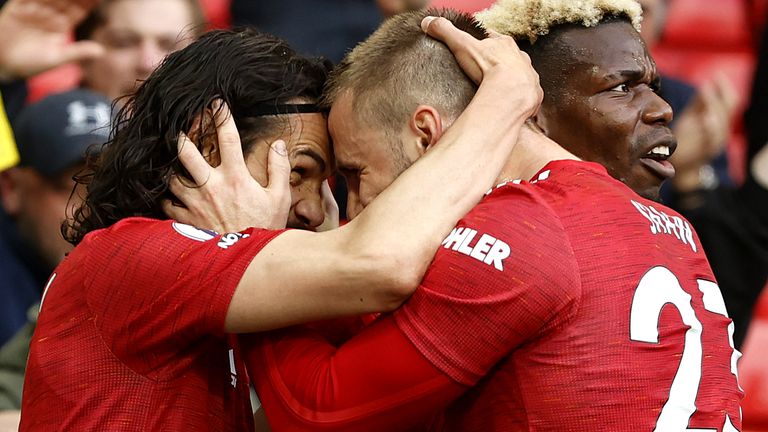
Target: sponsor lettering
(486, 249)
(230, 239)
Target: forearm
(380, 383)
(302, 276)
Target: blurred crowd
(58, 118)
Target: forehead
(307, 130)
(609, 46)
(157, 15)
(357, 144)
(343, 130)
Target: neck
(532, 152)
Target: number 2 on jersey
(658, 287)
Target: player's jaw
(652, 165)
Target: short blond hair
(398, 68)
(529, 19)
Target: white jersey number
(658, 287)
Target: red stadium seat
(217, 13)
(722, 25)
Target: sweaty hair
(399, 68)
(530, 19)
(252, 72)
(98, 18)
(536, 25)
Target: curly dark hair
(247, 69)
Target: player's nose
(657, 110)
(309, 212)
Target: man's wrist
(518, 100)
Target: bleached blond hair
(529, 19)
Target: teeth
(661, 150)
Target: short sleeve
(504, 276)
(155, 287)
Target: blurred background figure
(53, 137)
(132, 37)
(136, 35)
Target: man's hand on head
(37, 33)
(496, 59)
(227, 198)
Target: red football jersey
(649, 347)
(131, 333)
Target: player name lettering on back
(487, 248)
(663, 223)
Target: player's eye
(297, 175)
(622, 88)
(122, 40)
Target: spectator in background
(136, 36)
(53, 136)
(702, 121)
(119, 43)
(36, 38)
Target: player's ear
(540, 120)
(427, 125)
(203, 134)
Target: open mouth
(656, 160)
